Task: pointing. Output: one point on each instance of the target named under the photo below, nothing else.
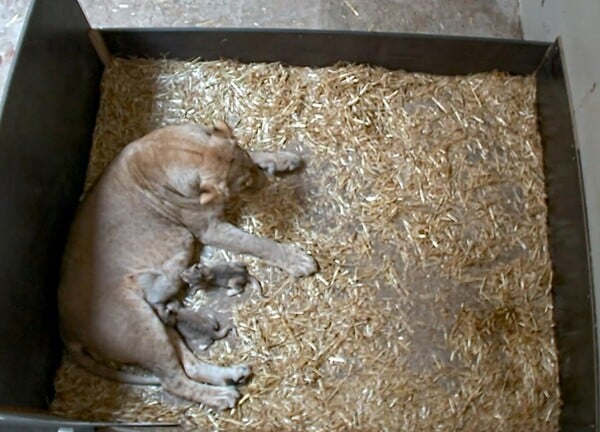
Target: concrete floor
(11, 22)
(493, 18)
(498, 18)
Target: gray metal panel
(412, 52)
(31, 420)
(45, 134)
(569, 249)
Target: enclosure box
(46, 125)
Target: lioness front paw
(298, 263)
(280, 162)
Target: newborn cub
(199, 329)
(136, 232)
(232, 276)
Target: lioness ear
(222, 128)
(208, 193)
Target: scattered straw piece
(352, 8)
(423, 202)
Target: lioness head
(187, 165)
(244, 175)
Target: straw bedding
(423, 201)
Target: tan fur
(137, 230)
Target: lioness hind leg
(219, 397)
(130, 332)
(206, 372)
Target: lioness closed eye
(133, 235)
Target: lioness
(133, 235)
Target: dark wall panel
(572, 283)
(423, 53)
(45, 135)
